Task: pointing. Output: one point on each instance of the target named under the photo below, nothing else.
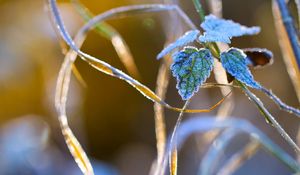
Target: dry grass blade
(76, 149)
(60, 102)
(287, 52)
(173, 162)
(116, 39)
(64, 48)
(78, 76)
(161, 89)
(239, 158)
(288, 55)
(289, 27)
(173, 154)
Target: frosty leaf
(258, 57)
(221, 30)
(214, 37)
(191, 68)
(234, 62)
(188, 37)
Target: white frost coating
(221, 30)
(188, 37)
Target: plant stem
(269, 116)
(199, 9)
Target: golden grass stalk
(173, 155)
(288, 54)
(110, 33)
(287, 51)
(159, 117)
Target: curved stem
(269, 117)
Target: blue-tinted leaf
(234, 62)
(221, 30)
(191, 68)
(188, 37)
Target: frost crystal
(191, 68)
(221, 30)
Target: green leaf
(234, 62)
(191, 68)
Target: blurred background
(112, 120)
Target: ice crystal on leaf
(191, 68)
(234, 62)
(221, 30)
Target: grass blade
(161, 89)
(173, 153)
(287, 51)
(239, 158)
(268, 116)
(75, 148)
(289, 28)
(116, 39)
(208, 162)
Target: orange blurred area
(113, 121)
